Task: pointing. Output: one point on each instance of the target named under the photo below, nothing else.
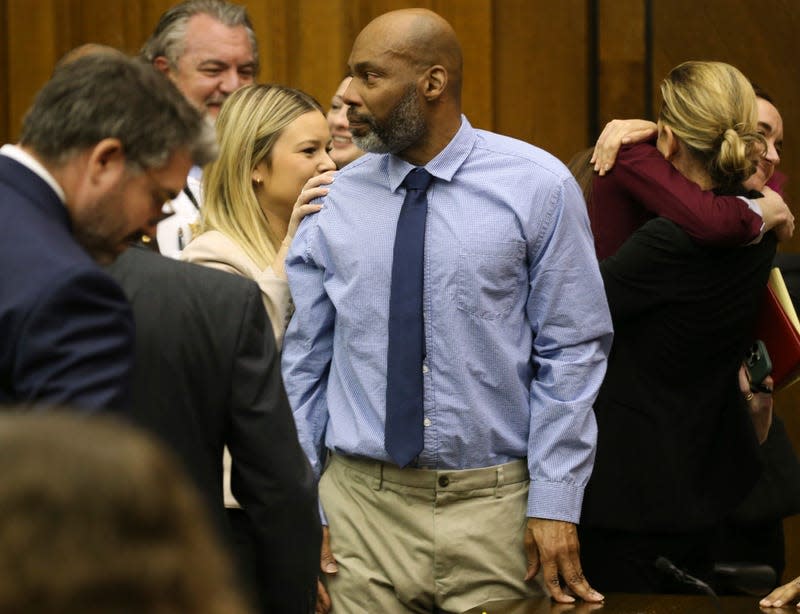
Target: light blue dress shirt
(517, 328)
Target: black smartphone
(758, 365)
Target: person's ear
(435, 82)
(668, 142)
(257, 179)
(671, 144)
(106, 163)
(162, 64)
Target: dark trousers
(248, 559)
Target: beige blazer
(218, 251)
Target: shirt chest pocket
(491, 279)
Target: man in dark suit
(107, 141)
(207, 374)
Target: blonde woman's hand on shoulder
(316, 187)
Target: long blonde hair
(711, 107)
(249, 123)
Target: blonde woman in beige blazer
(273, 162)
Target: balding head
(87, 49)
(405, 96)
(420, 37)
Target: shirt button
(443, 480)
(424, 368)
(426, 422)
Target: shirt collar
(196, 172)
(446, 162)
(28, 161)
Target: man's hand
(553, 545)
(327, 564)
(783, 595)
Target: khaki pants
(411, 540)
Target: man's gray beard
(371, 142)
(404, 127)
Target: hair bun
(711, 107)
(735, 156)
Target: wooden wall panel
(32, 41)
(539, 88)
(39, 32)
(271, 23)
(304, 44)
(5, 116)
(621, 60)
(320, 33)
(472, 21)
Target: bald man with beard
(450, 335)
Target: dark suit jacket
(676, 448)
(66, 330)
(207, 374)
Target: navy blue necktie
(403, 435)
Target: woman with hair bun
(676, 446)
